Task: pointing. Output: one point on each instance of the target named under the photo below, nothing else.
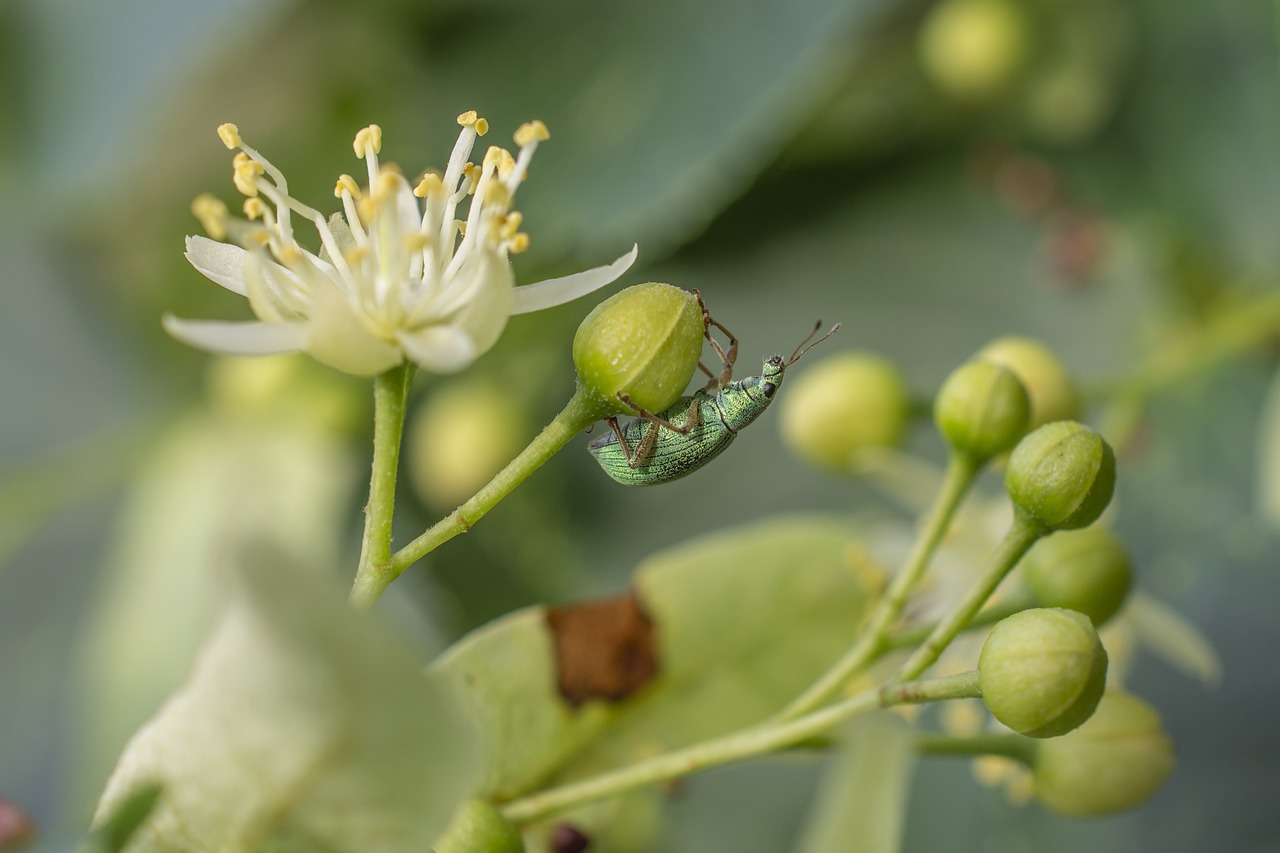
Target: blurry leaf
(862, 806)
(660, 112)
(214, 483)
(1268, 476)
(1168, 634)
(303, 727)
(1206, 161)
(743, 619)
(75, 79)
(114, 833)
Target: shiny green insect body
(692, 431)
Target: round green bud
(1061, 476)
(1083, 570)
(981, 409)
(1042, 671)
(477, 827)
(1115, 761)
(973, 48)
(1053, 394)
(460, 437)
(843, 404)
(645, 342)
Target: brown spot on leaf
(16, 827)
(567, 838)
(605, 649)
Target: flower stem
(390, 391)
(985, 618)
(962, 469)
(580, 412)
(746, 743)
(1021, 536)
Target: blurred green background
(1101, 174)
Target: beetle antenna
(802, 349)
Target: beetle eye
(768, 388)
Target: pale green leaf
(303, 727)
(211, 484)
(862, 806)
(743, 619)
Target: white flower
(392, 281)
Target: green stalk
(962, 470)
(747, 743)
(390, 393)
(1021, 536)
(581, 411)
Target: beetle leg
(726, 358)
(655, 419)
(645, 449)
(622, 440)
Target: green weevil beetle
(695, 429)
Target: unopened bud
(981, 409)
(1042, 671)
(644, 342)
(1115, 761)
(1061, 476)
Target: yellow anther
(230, 135)
(531, 132)
(471, 119)
(492, 156)
(482, 126)
(416, 242)
(470, 177)
(262, 238)
(519, 243)
(355, 254)
(366, 207)
(245, 174)
(254, 208)
(288, 254)
(346, 184)
(385, 187)
(212, 214)
(369, 139)
(511, 224)
(429, 185)
(506, 165)
(497, 194)
(461, 226)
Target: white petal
(221, 263)
(338, 337)
(439, 349)
(250, 338)
(557, 291)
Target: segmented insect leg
(727, 359)
(693, 417)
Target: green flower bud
(645, 342)
(1061, 476)
(1083, 570)
(842, 404)
(1115, 761)
(1053, 394)
(981, 409)
(459, 438)
(1042, 671)
(973, 48)
(477, 827)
